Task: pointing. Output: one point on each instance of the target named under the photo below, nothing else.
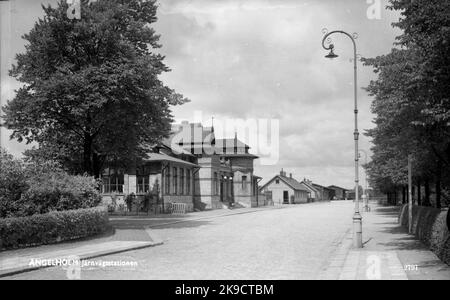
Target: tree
(91, 90)
(12, 182)
(411, 102)
(28, 188)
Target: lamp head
(331, 55)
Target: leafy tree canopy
(411, 98)
(91, 90)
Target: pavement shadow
(436, 263)
(140, 223)
(184, 224)
(387, 223)
(388, 211)
(401, 240)
(409, 243)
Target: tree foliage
(37, 187)
(91, 90)
(411, 99)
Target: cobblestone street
(295, 242)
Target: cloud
(257, 59)
(263, 59)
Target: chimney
(290, 175)
(282, 173)
(235, 142)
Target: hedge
(52, 227)
(39, 187)
(429, 226)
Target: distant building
(286, 190)
(314, 193)
(190, 167)
(339, 192)
(235, 155)
(325, 193)
(350, 195)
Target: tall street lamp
(357, 219)
(366, 194)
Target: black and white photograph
(224, 147)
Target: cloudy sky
(258, 59)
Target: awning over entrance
(158, 157)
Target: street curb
(12, 272)
(331, 269)
(210, 217)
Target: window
(112, 181)
(142, 180)
(182, 181)
(215, 187)
(175, 181)
(143, 185)
(188, 182)
(277, 181)
(167, 181)
(219, 179)
(244, 183)
(225, 186)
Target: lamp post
(366, 198)
(357, 219)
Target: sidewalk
(389, 253)
(21, 260)
(131, 233)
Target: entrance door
(221, 190)
(286, 197)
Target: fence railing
(178, 208)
